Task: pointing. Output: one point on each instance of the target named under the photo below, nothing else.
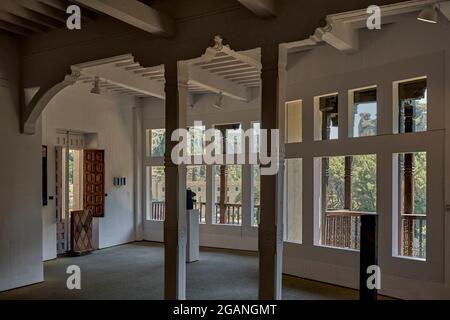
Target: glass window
(412, 204)
(348, 189)
(158, 198)
(293, 200)
(196, 140)
(326, 117)
(256, 176)
(156, 140)
(196, 180)
(231, 133)
(228, 207)
(412, 106)
(363, 112)
(257, 137)
(294, 121)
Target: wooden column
(175, 221)
(348, 183)
(270, 238)
(223, 179)
(408, 187)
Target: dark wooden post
(270, 231)
(348, 183)
(175, 204)
(368, 254)
(408, 187)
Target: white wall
(111, 118)
(385, 56)
(20, 191)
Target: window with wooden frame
(348, 190)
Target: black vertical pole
(368, 255)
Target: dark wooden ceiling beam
(14, 29)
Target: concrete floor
(135, 271)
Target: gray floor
(135, 271)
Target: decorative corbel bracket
(36, 99)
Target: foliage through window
(157, 142)
(412, 190)
(363, 112)
(348, 189)
(228, 207)
(413, 101)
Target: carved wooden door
(94, 182)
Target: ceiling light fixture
(429, 14)
(96, 88)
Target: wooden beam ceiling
(25, 17)
(134, 13)
(261, 8)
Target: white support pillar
(270, 238)
(175, 223)
(247, 186)
(210, 195)
(138, 173)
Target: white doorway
(69, 185)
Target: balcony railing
(413, 233)
(201, 207)
(341, 229)
(233, 214)
(158, 211)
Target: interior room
(353, 114)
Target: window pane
(157, 142)
(228, 182)
(363, 121)
(326, 122)
(348, 189)
(294, 121)
(232, 135)
(196, 181)
(196, 140)
(75, 180)
(256, 195)
(412, 113)
(364, 183)
(158, 193)
(412, 204)
(257, 137)
(294, 199)
(234, 141)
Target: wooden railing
(233, 214)
(201, 207)
(341, 229)
(413, 232)
(158, 211)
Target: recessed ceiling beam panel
(134, 13)
(211, 82)
(127, 80)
